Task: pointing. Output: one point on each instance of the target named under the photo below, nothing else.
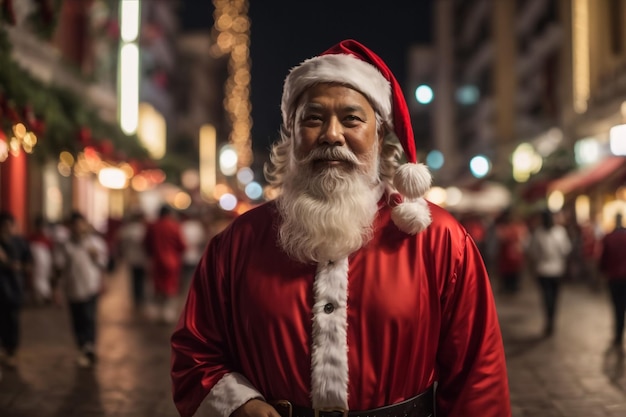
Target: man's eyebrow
(349, 107)
(312, 106)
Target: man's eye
(352, 118)
(312, 118)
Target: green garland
(61, 114)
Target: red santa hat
(352, 64)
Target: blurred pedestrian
(512, 240)
(165, 246)
(194, 236)
(613, 266)
(110, 237)
(350, 294)
(82, 262)
(548, 250)
(591, 237)
(15, 261)
(131, 237)
(41, 275)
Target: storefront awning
(484, 197)
(610, 168)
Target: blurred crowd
(551, 249)
(504, 240)
(67, 264)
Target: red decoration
(12, 114)
(135, 165)
(84, 136)
(38, 127)
(106, 148)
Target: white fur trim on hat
(339, 68)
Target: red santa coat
(368, 331)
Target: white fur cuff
(230, 393)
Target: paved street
(569, 375)
(572, 374)
(131, 378)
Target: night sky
(286, 32)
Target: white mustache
(331, 154)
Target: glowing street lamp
(228, 160)
(480, 166)
(424, 94)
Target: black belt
(422, 405)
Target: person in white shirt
(82, 260)
(548, 250)
(40, 244)
(194, 235)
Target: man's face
(335, 116)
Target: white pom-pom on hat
(412, 180)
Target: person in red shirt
(165, 246)
(512, 236)
(613, 265)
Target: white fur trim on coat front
(329, 361)
(231, 392)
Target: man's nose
(333, 132)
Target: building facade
(526, 84)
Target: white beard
(328, 214)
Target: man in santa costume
(350, 294)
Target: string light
(232, 30)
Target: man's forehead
(313, 105)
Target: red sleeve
(199, 353)
(472, 369)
